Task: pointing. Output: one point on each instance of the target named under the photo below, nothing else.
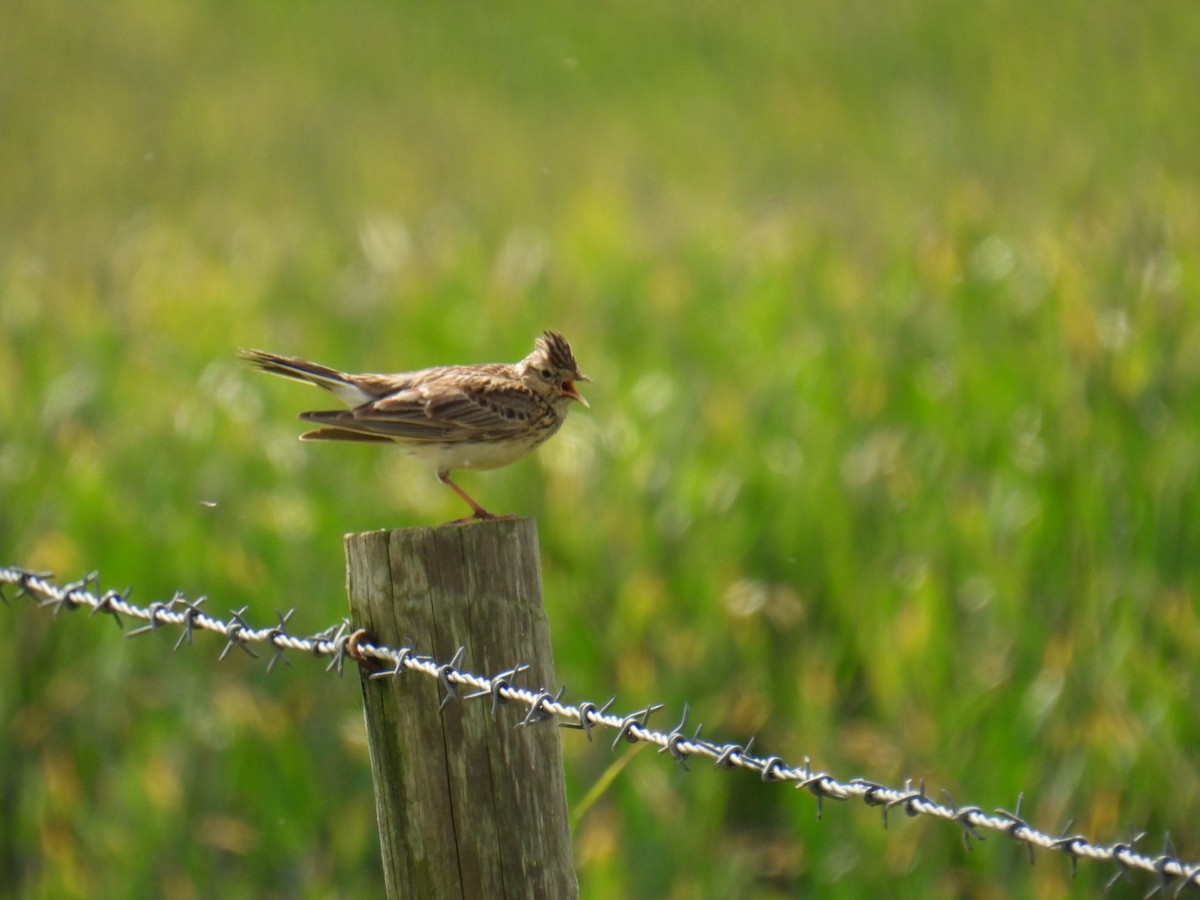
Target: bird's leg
(480, 512)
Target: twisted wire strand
(338, 642)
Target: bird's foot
(481, 515)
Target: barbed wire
(341, 642)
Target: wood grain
(467, 805)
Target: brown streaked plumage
(450, 417)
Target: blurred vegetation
(893, 457)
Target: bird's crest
(557, 351)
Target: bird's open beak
(571, 391)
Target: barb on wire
(444, 673)
(339, 641)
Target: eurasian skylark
(449, 417)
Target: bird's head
(551, 368)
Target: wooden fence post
(467, 805)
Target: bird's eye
(547, 374)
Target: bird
(449, 417)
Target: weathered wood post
(468, 806)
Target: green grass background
(893, 313)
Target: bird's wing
(449, 409)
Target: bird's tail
(337, 383)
